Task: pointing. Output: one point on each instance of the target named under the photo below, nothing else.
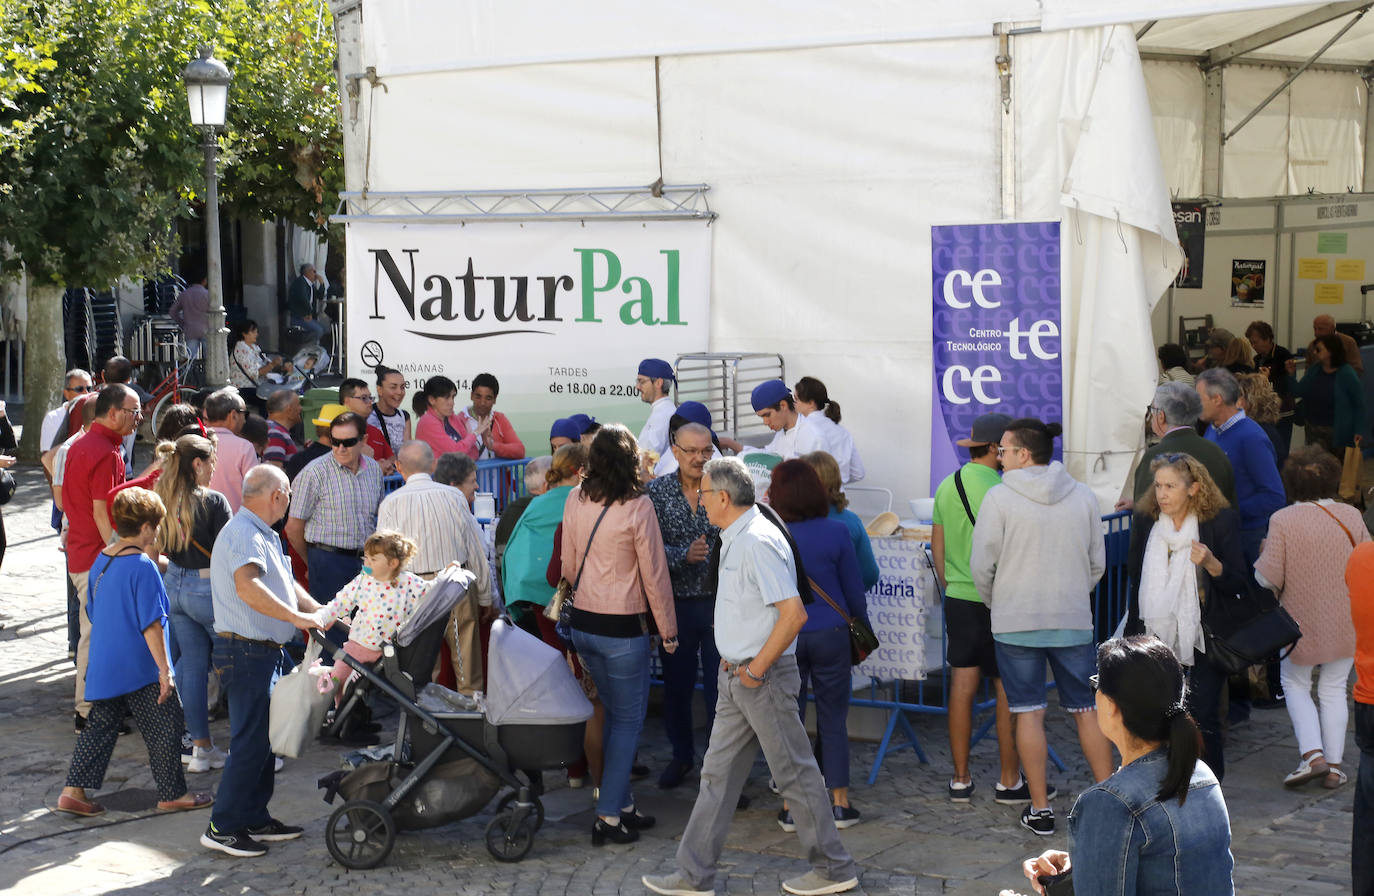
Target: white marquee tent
(833, 136)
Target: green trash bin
(311, 403)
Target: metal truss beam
(1224, 53)
(653, 203)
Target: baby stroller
(449, 761)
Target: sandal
(187, 803)
(73, 806)
(1307, 770)
(1334, 778)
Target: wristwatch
(750, 673)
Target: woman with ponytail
(195, 514)
(1159, 824)
(814, 405)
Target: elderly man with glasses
(335, 508)
(1171, 416)
(225, 412)
(94, 466)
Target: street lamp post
(207, 92)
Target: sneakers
(205, 758)
(785, 821)
(237, 844)
(672, 885)
(773, 786)
(274, 832)
(960, 793)
(277, 764)
(845, 816)
(812, 884)
(1039, 822)
(188, 747)
(1015, 796)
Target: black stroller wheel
(509, 840)
(360, 834)
(507, 804)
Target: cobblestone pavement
(912, 841)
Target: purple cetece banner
(995, 292)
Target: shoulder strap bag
(1338, 522)
(862, 641)
(963, 496)
(560, 607)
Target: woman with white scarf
(1185, 553)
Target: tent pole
(1367, 178)
(1007, 129)
(1213, 117)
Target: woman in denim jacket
(1159, 824)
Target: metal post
(216, 338)
(1213, 118)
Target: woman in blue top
(1159, 824)
(798, 496)
(1332, 397)
(829, 470)
(128, 669)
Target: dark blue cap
(656, 369)
(768, 394)
(564, 428)
(695, 412)
(582, 422)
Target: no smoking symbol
(371, 353)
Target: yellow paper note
(1350, 269)
(1312, 268)
(1330, 293)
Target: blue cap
(695, 412)
(582, 422)
(766, 395)
(564, 428)
(656, 369)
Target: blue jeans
(696, 638)
(246, 670)
(314, 327)
(329, 572)
(620, 668)
(192, 620)
(1362, 829)
(1023, 675)
(823, 659)
(1205, 684)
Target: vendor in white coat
(653, 381)
(816, 408)
(792, 436)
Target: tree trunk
(45, 359)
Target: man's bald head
(414, 457)
(262, 480)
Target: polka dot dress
(378, 608)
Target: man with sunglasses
(53, 433)
(334, 508)
(93, 467)
(1176, 407)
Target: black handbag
(1242, 633)
(7, 486)
(862, 641)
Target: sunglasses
(347, 443)
(80, 388)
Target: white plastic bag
(298, 708)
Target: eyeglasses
(79, 388)
(1152, 410)
(697, 452)
(702, 491)
(1003, 449)
(365, 399)
(285, 493)
(136, 411)
(347, 443)
(243, 411)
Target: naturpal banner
(996, 328)
(560, 312)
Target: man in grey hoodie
(1037, 554)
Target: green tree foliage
(97, 153)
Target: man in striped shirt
(283, 412)
(334, 509)
(436, 517)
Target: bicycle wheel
(161, 406)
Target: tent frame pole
(1213, 117)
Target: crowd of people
(199, 573)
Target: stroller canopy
(529, 682)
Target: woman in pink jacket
(443, 430)
(613, 554)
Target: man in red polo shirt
(95, 464)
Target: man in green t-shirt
(968, 623)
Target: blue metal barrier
(505, 479)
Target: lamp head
(207, 89)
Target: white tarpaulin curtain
(1082, 93)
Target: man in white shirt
(77, 382)
(653, 381)
(775, 406)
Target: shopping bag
(1350, 472)
(298, 708)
